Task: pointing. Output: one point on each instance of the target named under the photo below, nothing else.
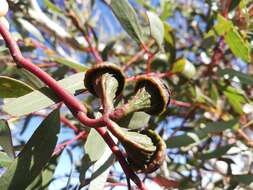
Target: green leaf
(198, 135)
(52, 7)
(30, 78)
(217, 153)
(234, 4)
(156, 28)
(12, 88)
(34, 156)
(5, 138)
(101, 170)
(233, 39)
(94, 140)
(127, 17)
(179, 141)
(70, 63)
(31, 29)
(220, 126)
(244, 78)
(135, 120)
(167, 9)
(5, 160)
(245, 179)
(44, 97)
(235, 98)
(169, 43)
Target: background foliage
(204, 53)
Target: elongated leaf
(5, 160)
(127, 17)
(52, 7)
(42, 98)
(35, 155)
(135, 121)
(101, 170)
(12, 88)
(94, 140)
(244, 78)
(30, 78)
(234, 40)
(235, 98)
(70, 63)
(5, 138)
(31, 29)
(245, 179)
(198, 135)
(156, 28)
(216, 153)
(169, 43)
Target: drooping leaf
(44, 97)
(244, 78)
(30, 78)
(127, 17)
(156, 28)
(52, 7)
(12, 88)
(245, 179)
(6, 139)
(5, 160)
(101, 170)
(94, 140)
(198, 135)
(169, 43)
(215, 153)
(233, 39)
(235, 98)
(135, 120)
(31, 29)
(70, 63)
(34, 156)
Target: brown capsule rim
(103, 68)
(158, 86)
(156, 159)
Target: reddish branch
(80, 27)
(78, 110)
(63, 119)
(60, 147)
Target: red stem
(115, 149)
(93, 50)
(63, 119)
(149, 61)
(181, 104)
(60, 147)
(77, 109)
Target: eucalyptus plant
(137, 94)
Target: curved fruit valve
(106, 81)
(152, 96)
(146, 150)
(158, 92)
(97, 71)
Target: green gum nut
(159, 94)
(100, 69)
